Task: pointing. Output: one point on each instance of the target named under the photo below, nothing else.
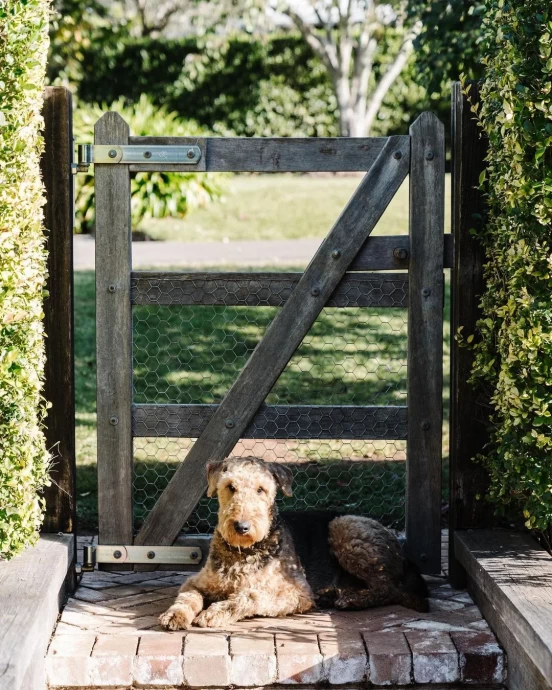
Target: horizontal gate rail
(263, 289)
(269, 154)
(277, 421)
(392, 252)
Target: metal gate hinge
(88, 154)
(155, 555)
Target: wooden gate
(347, 254)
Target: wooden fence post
(469, 411)
(59, 387)
(113, 339)
(425, 342)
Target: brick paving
(108, 636)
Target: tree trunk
(343, 96)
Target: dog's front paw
(177, 618)
(216, 616)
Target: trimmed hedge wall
(271, 86)
(514, 355)
(23, 456)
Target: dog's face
(246, 489)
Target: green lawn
(192, 355)
(267, 207)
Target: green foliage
(153, 195)
(514, 355)
(23, 456)
(241, 85)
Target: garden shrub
(23, 457)
(514, 354)
(155, 194)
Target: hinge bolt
(400, 253)
(426, 292)
(194, 555)
(114, 421)
(112, 153)
(315, 292)
(112, 288)
(151, 555)
(397, 155)
(147, 154)
(190, 154)
(336, 254)
(229, 423)
(430, 156)
(117, 554)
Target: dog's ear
(213, 473)
(283, 476)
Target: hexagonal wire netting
(193, 335)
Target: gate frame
(425, 330)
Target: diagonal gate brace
(282, 338)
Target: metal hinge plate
(148, 155)
(154, 555)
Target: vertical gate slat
(425, 342)
(113, 338)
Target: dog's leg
(187, 605)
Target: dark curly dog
(264, 564)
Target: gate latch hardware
(87, 154)
(155, 555)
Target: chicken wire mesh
(194, 333)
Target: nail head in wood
(423, 557)
(114, 421)
(315, 291)
(111, 288)
(430, 156)
(229, 423)
(397, 155)
(336, 254)
(400, 253)
(425, 426)
(426, 292)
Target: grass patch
(281, 206)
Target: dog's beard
(259, 530)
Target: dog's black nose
(242, 527)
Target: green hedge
(514, 355)
(23, 457)
(270, 86)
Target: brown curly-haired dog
(264, 564)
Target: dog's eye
(231, 488)
(260, 490)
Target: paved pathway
(197, 254)
(108, 636)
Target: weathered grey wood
(392, 252)
(469, 416)
(277, 421)
(425, 343)
(268, 154)
(113, 339)
(263, 289)
(510, 576)
(59, 383)
(32, 589)
(281, 339)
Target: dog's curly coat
(254, 569)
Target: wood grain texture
(384, 253)
(469, 407)
(277, 421)
(281, 339)
(59, 383)
(32, 589)
(113, 339)
(263, 289)
(511, 578)
(269, 154)
(425, 343)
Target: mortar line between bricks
(457, 655)
(276, 656)
(182, 645)
(94, 645)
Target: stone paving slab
(108, 636)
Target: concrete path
(175, 254)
